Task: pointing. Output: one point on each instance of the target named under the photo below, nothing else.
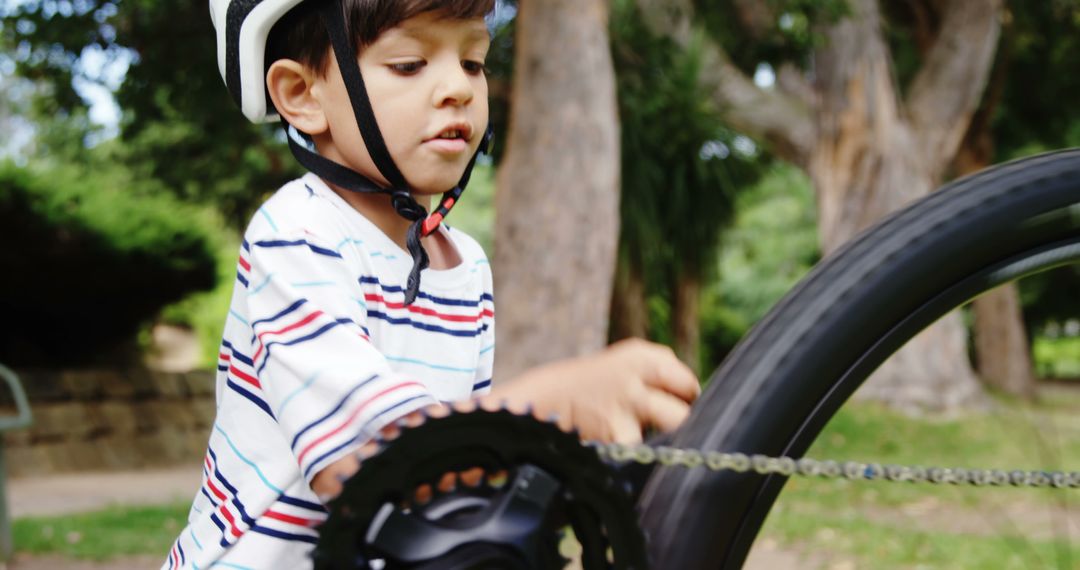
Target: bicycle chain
(851, 470)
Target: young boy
(352, 306)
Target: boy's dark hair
(301, 36)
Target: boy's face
(425, 79)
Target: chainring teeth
(417, 469)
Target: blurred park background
(683, 162)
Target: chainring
(550, 482)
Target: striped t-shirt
(319, 352)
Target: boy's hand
(610, 396)
(613, 395)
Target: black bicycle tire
(783, 382)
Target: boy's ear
(290, 86)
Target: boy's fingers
(663, 411)
(625, 429)
(670, 374)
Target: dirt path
(61, 563)
(63, 494)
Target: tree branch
(755, 16)
(947, 90)
(784, 122)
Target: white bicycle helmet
(243, 28)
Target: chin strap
(401, 196)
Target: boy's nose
(455, 88)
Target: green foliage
(102, 535)
(681, 167)
(1057, 357)
(1049, 299)
(204, 312)
(475, 213)
(180, 127)
(772, 32)
(771, 245)
(95, 257)
(1041, 40)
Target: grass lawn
(101, 535)
(888, 525)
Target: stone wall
(109, 420)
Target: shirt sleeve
(328, 387)
(486, 363)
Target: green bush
(86, 256)
(771, 245)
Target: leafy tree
(179, 127)
(770, 246)
(681, 168)
(1034, 113)
(87, 261)
(869, 141)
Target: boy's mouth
(454, 131)
(452, 139)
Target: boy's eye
(407, 68)
(473, 67)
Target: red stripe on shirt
(244, 376)
(244, 263)
(428, 312)
(217, 492)
(233, 529)
(293, 326)
(352, 416)
(308, 523)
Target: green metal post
(7, 544)
(21, 419)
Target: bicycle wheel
(787, 378)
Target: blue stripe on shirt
(296, 305)
(301, 503)
(481, 385)
(422, 295)
(280, 243)
(311, 466)
(238, 356)
(333, 411)
(285, 535)
(250, 396)
(250, 463)
(426, 327)
(321, 331)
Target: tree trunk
(629, 308)
(557, 202)
(686, 320)
(1002, 351)
(867, 151)
(871, 158)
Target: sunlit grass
(102, 535)
(890, 525)
(1057, 357)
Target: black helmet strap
(345, 52)
(340, 175)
